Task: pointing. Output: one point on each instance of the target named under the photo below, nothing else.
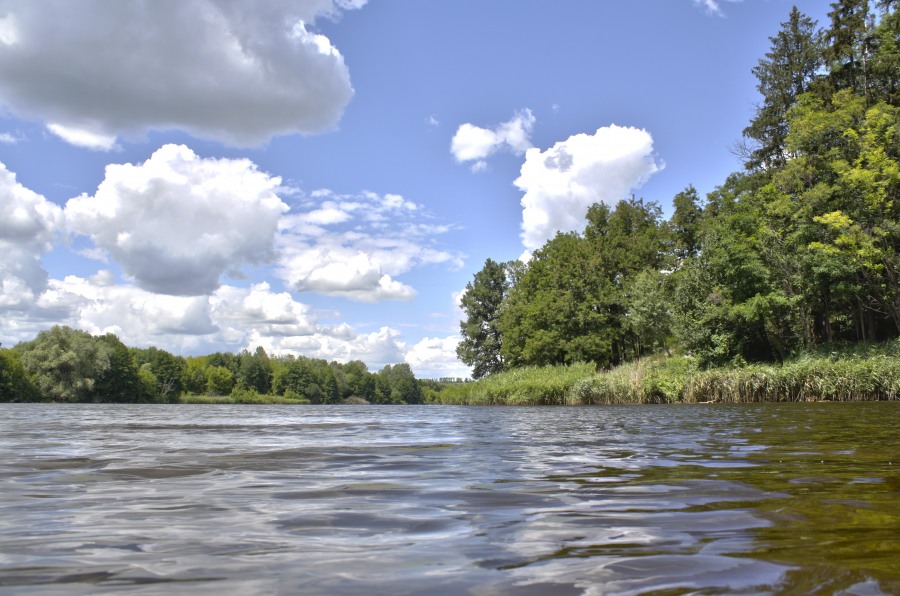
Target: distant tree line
(68, 365)
(800, 249)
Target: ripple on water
(206, 499)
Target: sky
(324, 177)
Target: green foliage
(65, 363)
(786, 72)
(119, 381)
(482, 303)
(255, 371)
(15, 382)
(194, 376)
(168, 370)
(219, 380)
(530, 385)
(397, 385)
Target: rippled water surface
(364, 499)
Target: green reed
(864, 372)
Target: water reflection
(721, 499)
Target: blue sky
(323, 177)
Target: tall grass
(806, 379)
(852, 373)
(526, 386)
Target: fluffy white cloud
(355, 246)
(231, 319)
(563, 181)
(27, 226)
(340, 343)
(237, 71)
(435, 357)
(176, 223)
(473, 144)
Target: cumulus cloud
(236, 71)
(563, 181)
(231, 319)
(435, 357)
(27, 227)
(354, 246)
(177, 222)
(474, 144)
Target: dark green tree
(15, 382)
(685, 224)
(166, 367)
(482, 303)
(786, 72)
(849, 46)
(119, 381)
(360, 381)
(255, 370)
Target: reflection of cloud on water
(642, 537)
(618, 575)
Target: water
(445, 500)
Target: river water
(205, 499)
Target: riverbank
(856, 373)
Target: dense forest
(798, 251)
(67, 365)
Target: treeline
(799, 250)
(68, 365)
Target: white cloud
(84, 138)
(474, 144)
(236, 71)
(8, 139)
(355, 246)
(176, 223)
(712, 7)
(340, 343)
(27, 227)
(563, 181)
(435, 357)
(231, 319)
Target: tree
(119, 381)
(560, 311)
(649, 312)
(219, 380)
(15, 382)
(885, 62)
(849, 46)
(255, 370)
(360, 381)
(166, 367)
(482, 302)
(685, 224)
(195, 374)
(784, 74)
(397, 384)
(65, 363)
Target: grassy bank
(856, 373)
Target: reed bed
(852, 373)
(526, 386)
(806, 379)
(242, 398)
